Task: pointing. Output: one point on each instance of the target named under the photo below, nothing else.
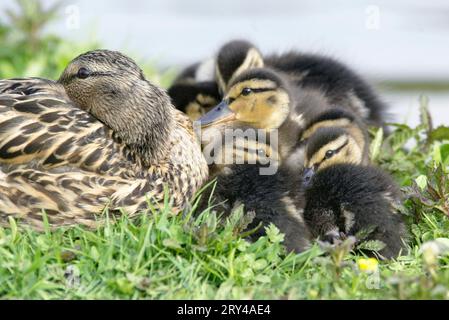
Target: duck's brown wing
(71, 198)
(67, 198)
(58, 158)
(41, 128)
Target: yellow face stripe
(318, 156)
(352, 128)
(253, 60)
(264, 109)
(236, 89)
(349, 152)
(343, 122)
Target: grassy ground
(206, 257)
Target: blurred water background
(401, 46)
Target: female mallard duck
(339, 84)
(346, 198)
(195, 90)
(101, 137)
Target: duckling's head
(329, 146)
(341, 118)
(194, 98)
(113, 89)
(258, 98)
(233, 58)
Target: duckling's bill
(219, 114)
(307, 175)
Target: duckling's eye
(246, 91)
(83, 73)
(329, 154)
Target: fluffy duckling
(199, 87)
(195, 98)
(232, 59)
(344, 198)
(195, 90)
(271, 194)
(338, 83)
(272, 198)
(101, 136)
(263, 99)
(333, 118)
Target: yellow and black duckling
(261, 98)
(195, 99)
(199, 87)
(333, 117)
(278, 198)
(344, 198)
(195, 90)
(339, 84)
(101, 136)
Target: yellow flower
(313, 293)
(368, 265)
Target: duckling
(332, 117)
(262, 98)
(102, 136)
(194, 98)
(232, 59)
(271, 198)
(340, 84)
(199, 87)
(195, 90)
(344, 198)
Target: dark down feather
(365, 193)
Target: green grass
(164, 257)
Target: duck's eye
(246, 91)
(329, 154)
(83, 73)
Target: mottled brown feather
(59, 158)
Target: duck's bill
(307, 176)
(219, 114)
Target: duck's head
(194, 98)
(329, 146)
(113, 89)
(258, 98)
(340, 118)
(233, 58)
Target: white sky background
(409, 39)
